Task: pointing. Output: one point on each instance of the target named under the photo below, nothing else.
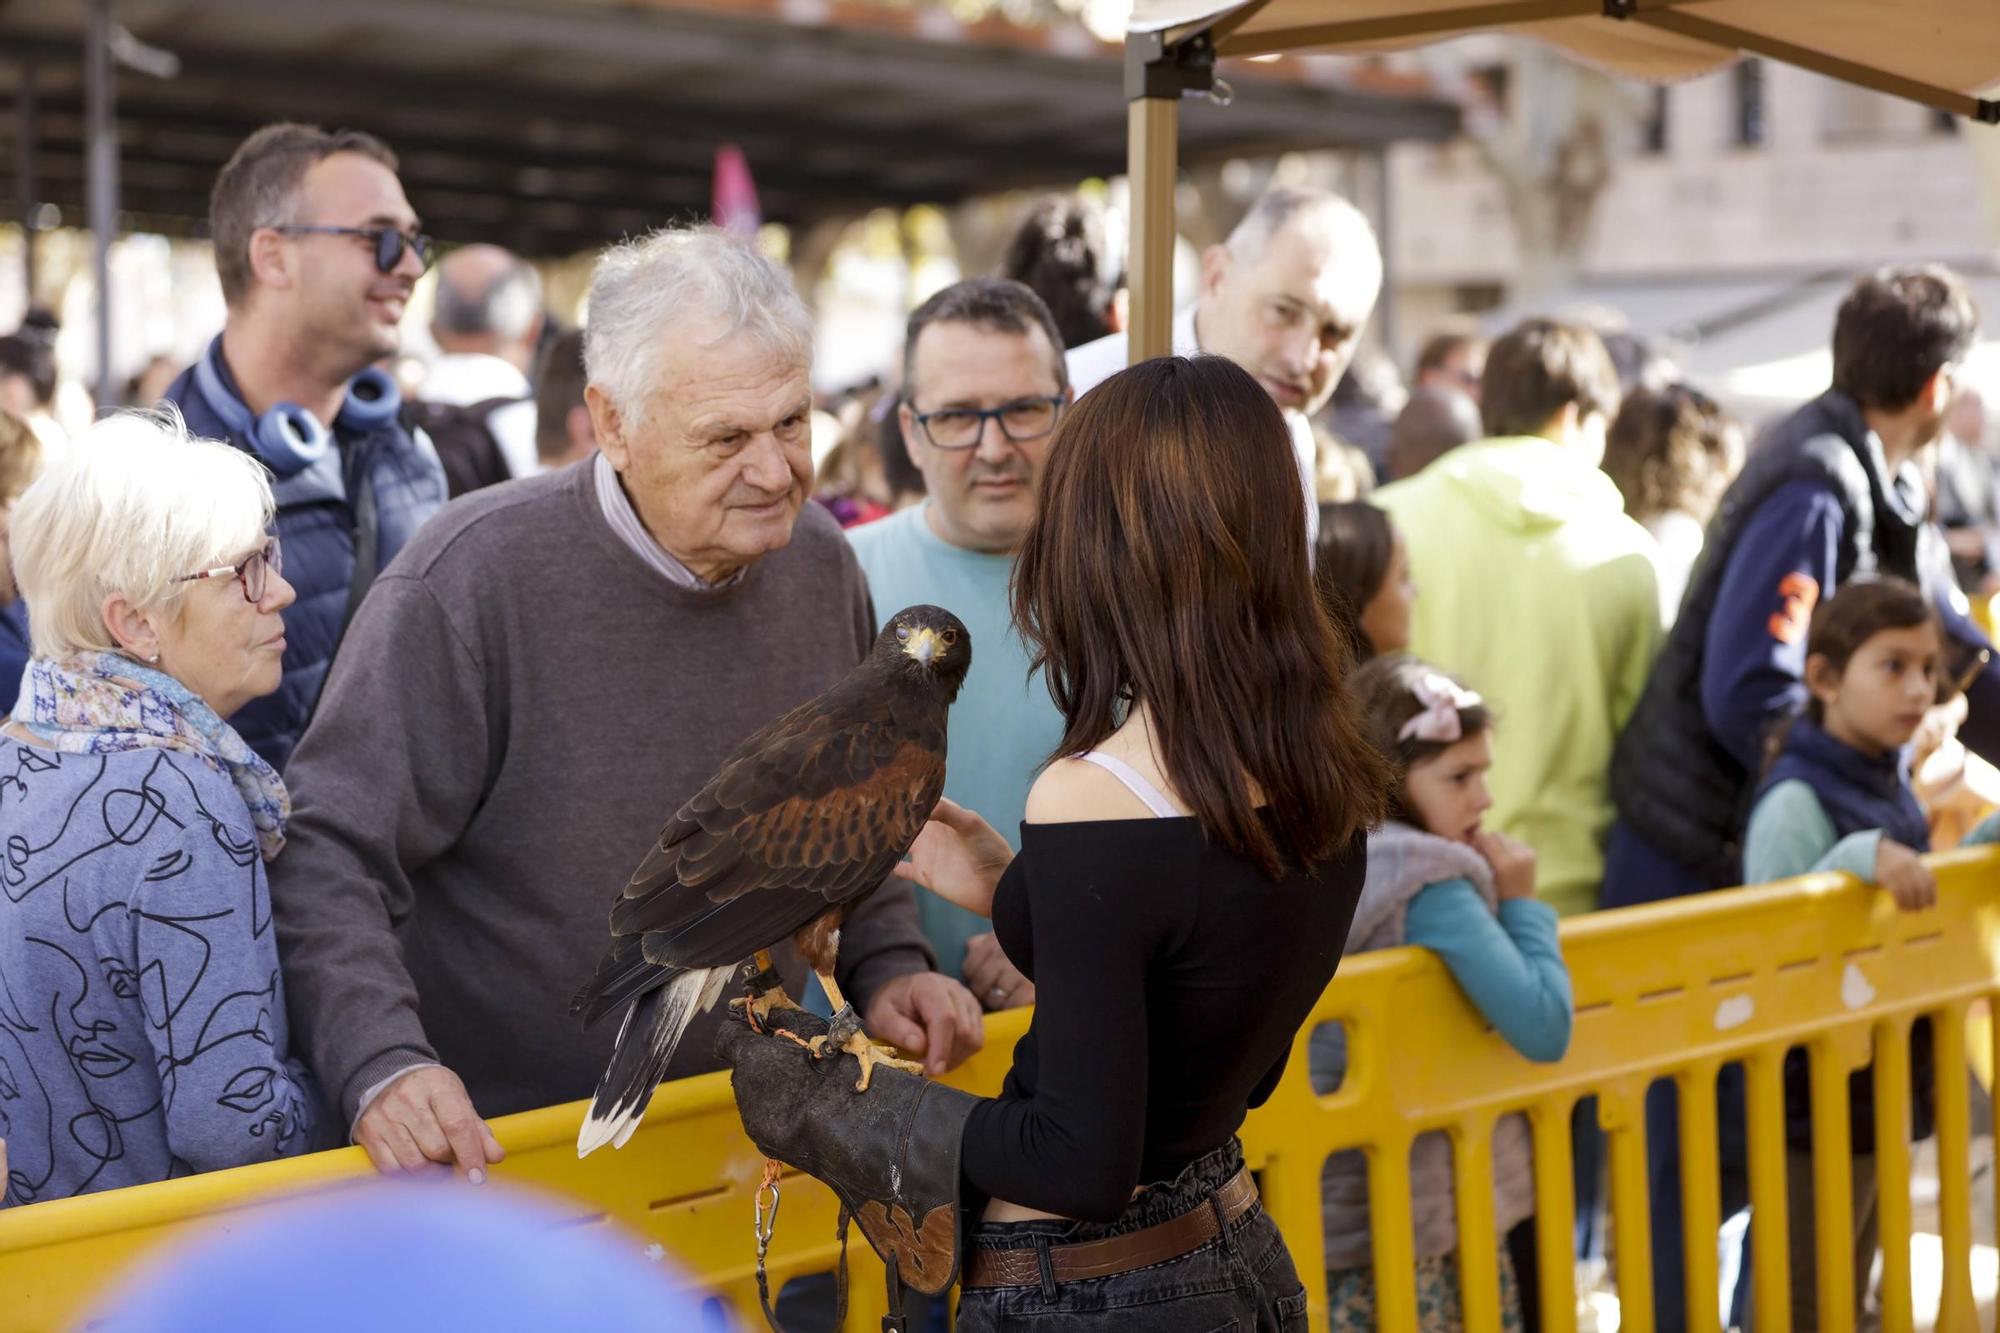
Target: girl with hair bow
(1437, 879)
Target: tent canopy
(1943, 53)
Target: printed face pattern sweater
(142, 1024)
(519, 705)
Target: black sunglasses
(389, 243)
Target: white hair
(702, 275)
(1280, 204)
(130, 507)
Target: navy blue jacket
(316, 521)
(15, 650)
(1815, 508)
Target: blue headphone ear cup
(372, 398)
(289, 439)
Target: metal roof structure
(552, 126)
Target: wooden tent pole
(1157, 72)
(1154, 126)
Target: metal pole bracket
(1156, 68)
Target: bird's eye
(902, 634)
(950, 637)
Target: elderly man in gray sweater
(543, 676)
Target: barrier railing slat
(1769, 1235)
(1832, 1225)
(1624, 1112)
(1478, 1257)
(1993, 1100)
(1555, 1214)
(1701, 1197)
(1395, 1245)
(1670, 991)
(1892, 1170)
(1956, 1311)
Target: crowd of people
(341, 717)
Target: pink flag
(734, 204)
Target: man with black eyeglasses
(984, 387)
(317, 250)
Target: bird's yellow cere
(925, 645)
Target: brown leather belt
(1119, 1254)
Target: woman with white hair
(142, 1022)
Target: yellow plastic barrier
(1673, 991)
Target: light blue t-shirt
(1003, 725)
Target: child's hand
(1513, 864)
(1903, 873)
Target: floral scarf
(104, 703)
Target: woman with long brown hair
(1189, 866)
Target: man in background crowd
(488, 323)
(563, 433)
(1286, 297)
(983, 390)
(318, 251)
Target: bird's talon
(870, 1055)
(760, 1005)
(864, 1051)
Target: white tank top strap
(1154, 799)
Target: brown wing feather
(821, 803)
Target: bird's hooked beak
(924, 645)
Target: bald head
(1288, 294)
(489, 300)
(1432, 423)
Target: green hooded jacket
(1537, 590)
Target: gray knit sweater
(517, 708)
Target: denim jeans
(1240, 1282)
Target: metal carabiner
(766, 1224)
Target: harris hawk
(799, 825)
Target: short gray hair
(506, 307)
(1277, 206)
(130, 507)
(683, 273)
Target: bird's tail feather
(652, 1029)
(621, 976)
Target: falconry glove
(891, 1154)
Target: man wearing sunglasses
(984, 387)
(317, 250)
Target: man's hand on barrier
(1903, 873)
(1513, 864)
(928, 1014)
(426, 1118)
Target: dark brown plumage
(800, 825)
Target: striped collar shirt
(624, 521)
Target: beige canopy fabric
(1915, 48)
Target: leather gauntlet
(891, 1153)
